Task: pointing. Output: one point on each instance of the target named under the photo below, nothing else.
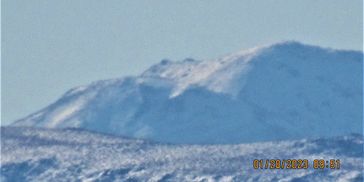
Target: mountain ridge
(278, 91)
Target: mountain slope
(281, 91)
(30, 154)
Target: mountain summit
(286, 90)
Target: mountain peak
(289, 43)
(224, 75)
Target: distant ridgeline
(282, 91)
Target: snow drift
(30, 154)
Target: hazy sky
(50, 46)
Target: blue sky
(50, 46)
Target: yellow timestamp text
(296, 164)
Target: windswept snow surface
(30, 154)
(282, 91)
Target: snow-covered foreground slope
(281, 91)
(29, 154)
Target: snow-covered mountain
(30, 154)
(286, 90)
